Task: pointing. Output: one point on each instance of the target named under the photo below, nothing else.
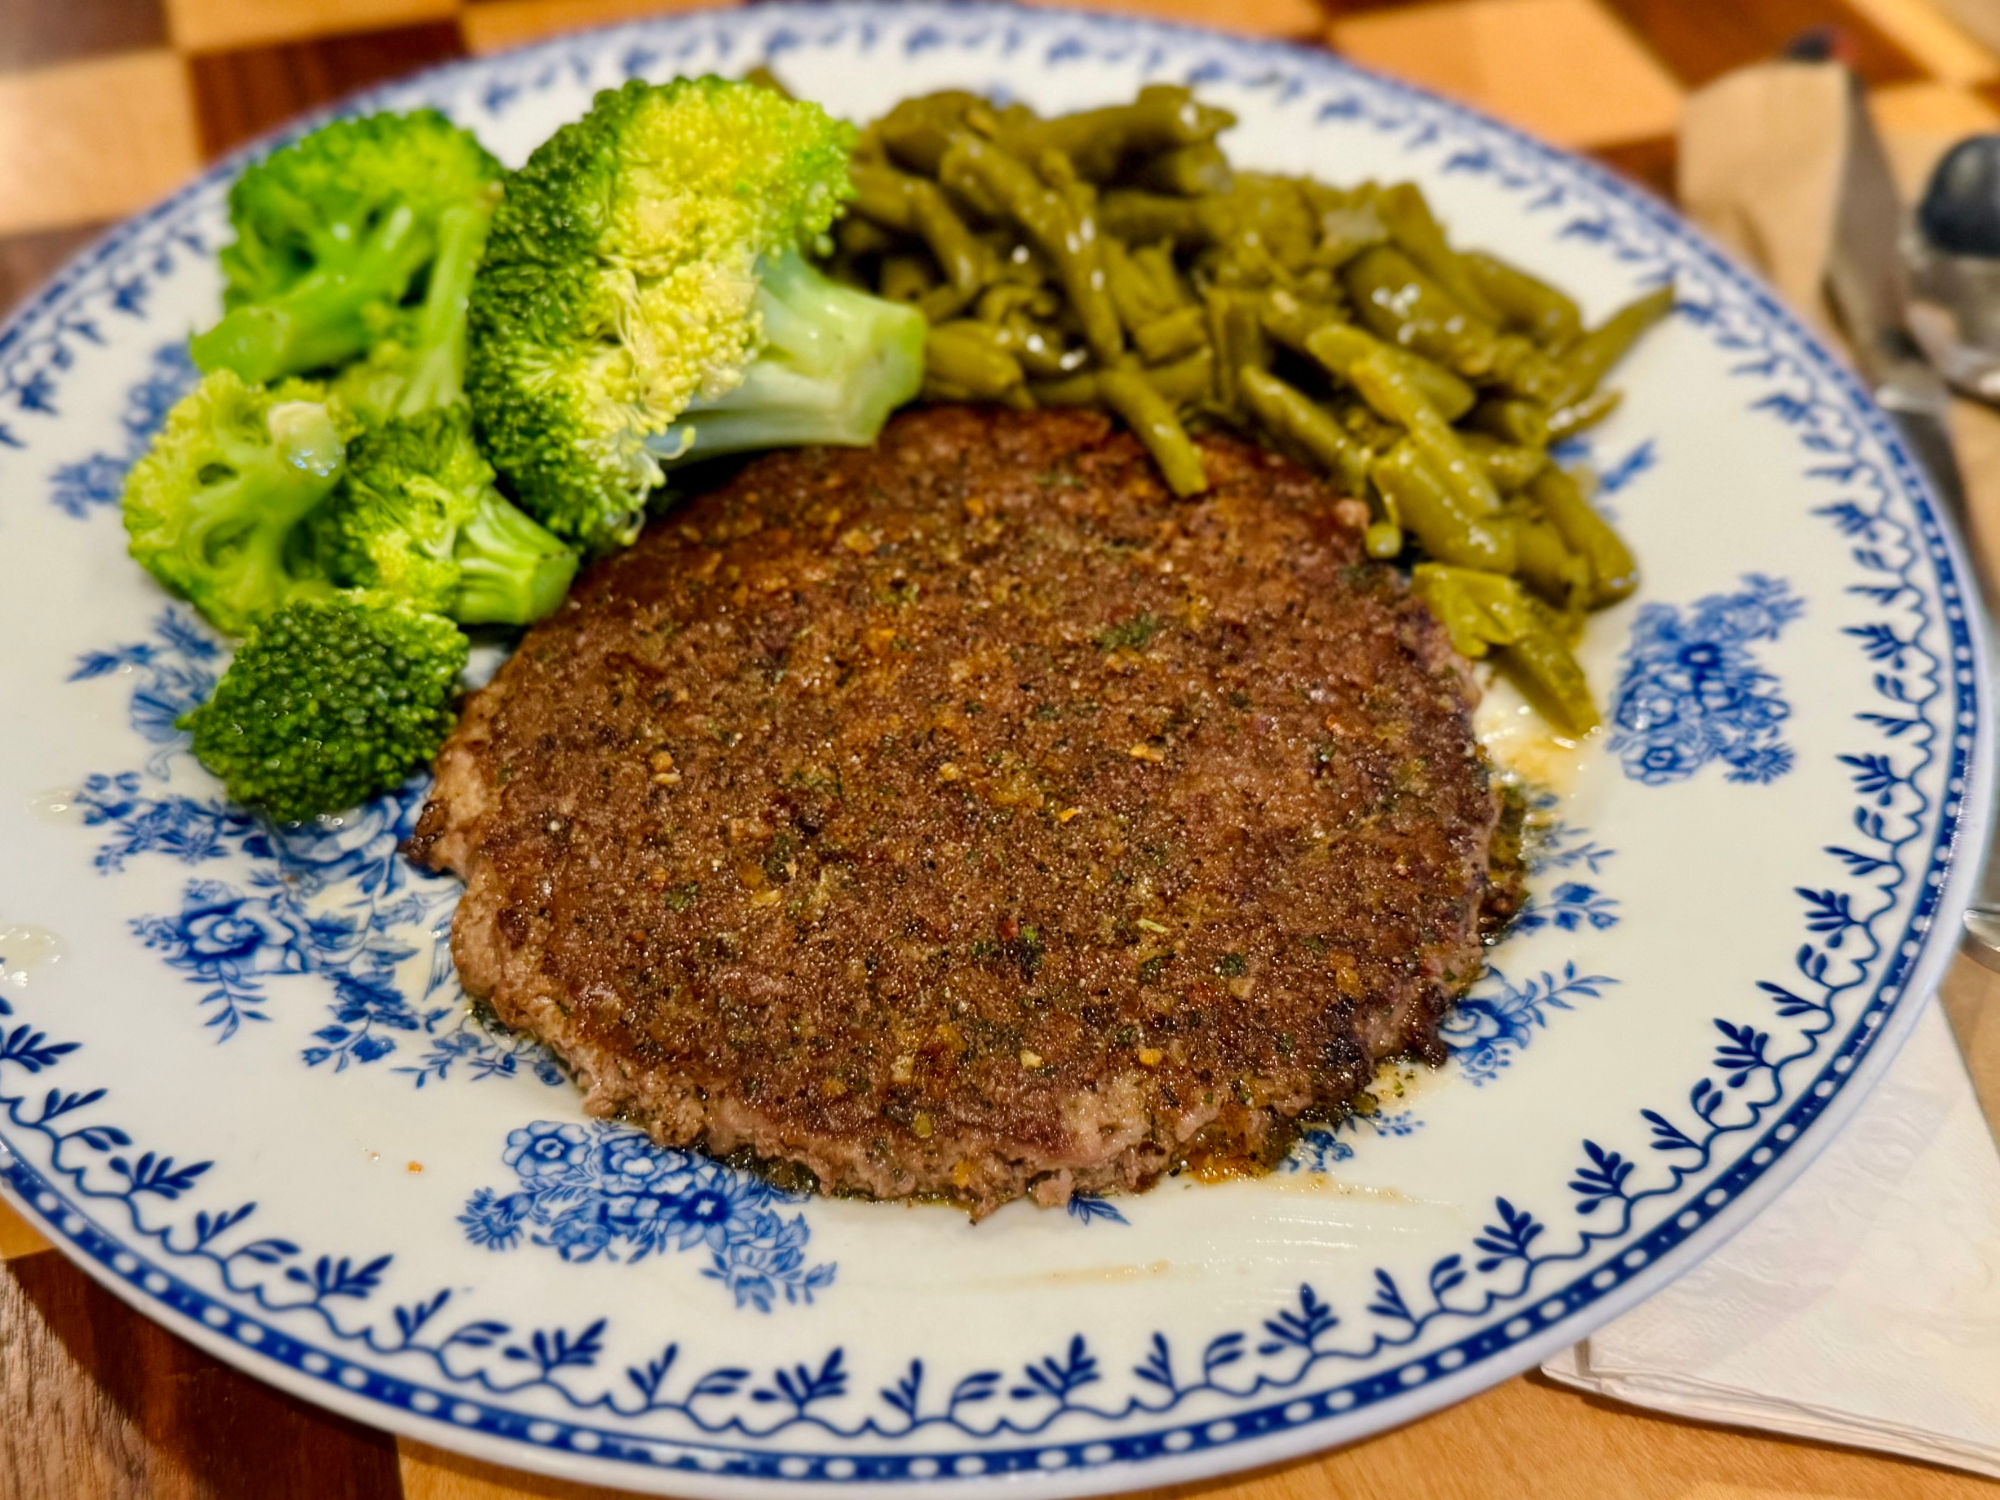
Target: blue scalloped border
(143, 1281)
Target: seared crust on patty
(967, 816)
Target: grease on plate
(25, 951)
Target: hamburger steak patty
(967, 816)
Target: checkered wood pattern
(106, 105)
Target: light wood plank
(1564, 69)
(1946, 49)
(103, 1405)
(1279, 18)
(93, 140)
(1943, 111)
(499, 24)
(17, 1236)
(1523, 1438)
(213, 25)
(433, 1474)
(1529, 1438)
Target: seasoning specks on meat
(968, 817)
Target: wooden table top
(108, 104)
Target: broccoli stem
(322, 320)
(835, 363)
(512, 570)
(438, 376)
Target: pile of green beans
(1114, 258)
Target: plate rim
(1932, 918)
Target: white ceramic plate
(238, 1084)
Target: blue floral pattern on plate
(334, 899)
(98, 481)
(597, 1189)
(1692, 692)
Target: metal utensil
(1869, 287)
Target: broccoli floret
(215, 510)
(328, 702)
(418, 517)
(364, 231)
(643, 302)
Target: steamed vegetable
(216, 509)
(418, 517)
(328, 702)
(644, 303)
(363, 233)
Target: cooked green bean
(1185, 381)
(1598, 350)
(1157, 262)
(906, 277)
(1195, 171)
(1531, 305)
(1019, 315)
(1348, 223)
(1395, 396)
(1151, 417)
(1292, 319)
(1402, 306)
(1437, 516)
(1338, 346)
(1135, 216)
(1236, 333)
(971, 356)
(1508, 465)
(1049, 219)
(854, 236)
(1521, 369)
(1548, 566)
(1541, 665)
(1163, 117)
(897, 200)
(1287, 415)
(1382, 540)
(1473, 631)
(1584, 413)
(917, 131)
(1613, 572)
(882, 193)
(1268, 228)
(1512, 420)
(1407, 217)
(1080, 389)
(1172, 335)
(1042, 350)
(1485, 613)
(1369, 430)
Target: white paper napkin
(1863, 1307)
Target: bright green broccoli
(328, 702)
(644, 302)
(215, 510)
(364, 231)
(418, 517)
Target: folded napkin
(1863, 1307)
